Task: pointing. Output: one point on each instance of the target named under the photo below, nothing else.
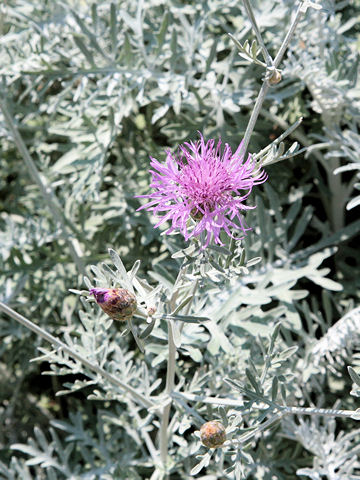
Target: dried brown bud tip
(118, 303)
(212, 434)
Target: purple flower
(203, 189)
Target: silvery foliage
(258, 349)
(335, 455)
(97, 75)
(342, 335)
(330, 73)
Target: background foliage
(95, 88)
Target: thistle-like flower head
(118, 303)
(203, 189)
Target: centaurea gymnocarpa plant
(195, 324)
(203, 189)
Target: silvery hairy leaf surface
(242, 305)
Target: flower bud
(275, 77)
(212, 434)
(118, 303)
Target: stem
(263, 426)
(138, 397)
(267, 56)
(302, 138)
(299, 13)
(326, 412)
(254, 116)
(171, 365)
(170, 373)
(329, 412)
(170, 382)
(198, 419)
(46, 191)
(211, 400)
(289, 131)
(266, 85)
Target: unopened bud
(212, 434)
(275, 77)
(118, 303)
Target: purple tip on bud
(117, 303)
(99, 294)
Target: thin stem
(211, 400)
(266, 85)
(329, 412)
(279, 139)
(295, 133)
(138, 397)
(299, 13)
(198, 419)
(170, 374)
(326, 412)
(170, 383)
(254, 116)
(46, 191)
(302, 138)
(260, 428)
(267, 56)
(171, 365)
